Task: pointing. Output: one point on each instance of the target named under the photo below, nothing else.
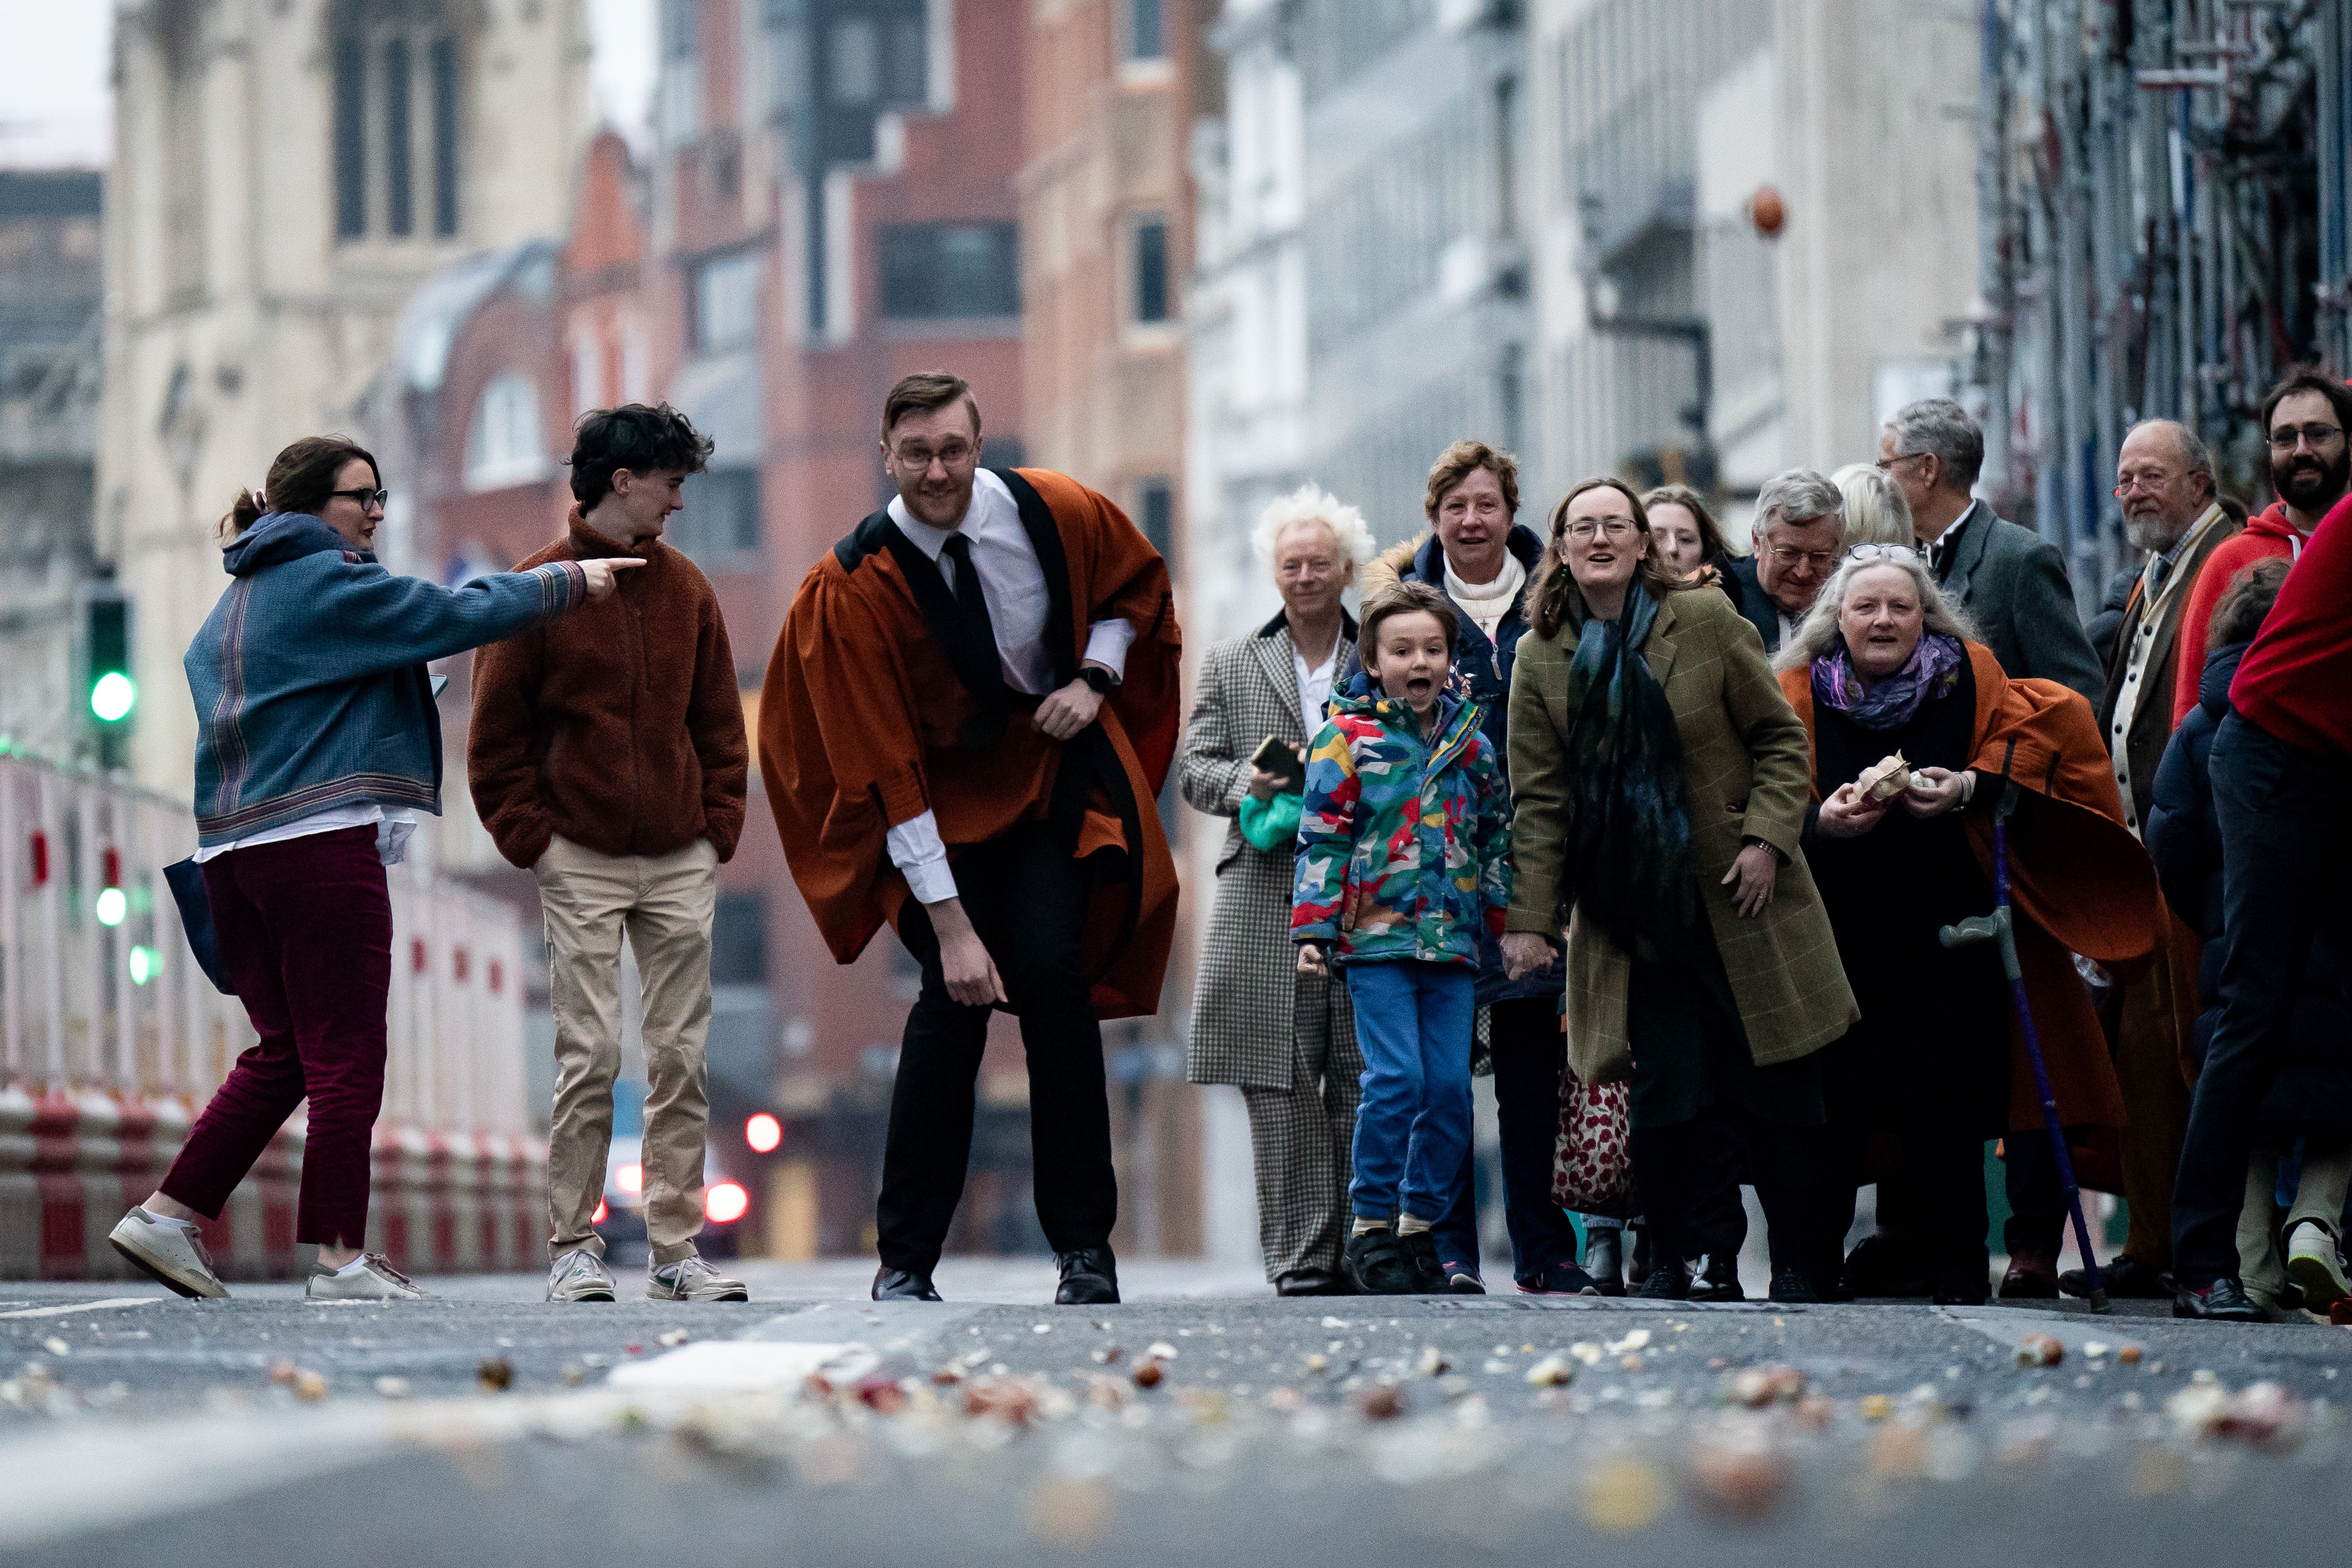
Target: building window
(680, 85)
(738, 940)
(857, 63)
(1150, 291)
(726, 302)
(1147, 30)
(937, 270)
(721, 522)
(502, 447)
(1155, 513)
(350, 138)
(376, 119)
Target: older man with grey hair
(2010, 580)
(1800, 534)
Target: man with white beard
(2164, 476)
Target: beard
(2308, 484)
(2152, 534)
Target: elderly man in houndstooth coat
(1286, 1040)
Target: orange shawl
(863, 726)
(2079, 881)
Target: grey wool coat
(2013, 583)
(1747, 774)
(1244, 999)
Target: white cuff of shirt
(921, 856)
(1108, 642)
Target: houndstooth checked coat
(1243, 1002)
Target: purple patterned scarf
(1932, 671)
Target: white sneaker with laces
(170, 1253)
(2313, 1263)
(691, 1278)
(375, 1279)
(579, 1276)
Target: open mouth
(1420, 685)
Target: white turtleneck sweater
(1489, 603)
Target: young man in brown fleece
(607, 756)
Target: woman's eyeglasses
(365, 498)
(1609, 528)
(1902, 554)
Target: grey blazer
(1244, 1002)
(2012, 583)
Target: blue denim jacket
(309, 675)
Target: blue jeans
(1414, 1021)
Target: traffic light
(107, 682)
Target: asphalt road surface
(1203, 1422)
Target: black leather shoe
(1884, 1267)
(1377, 1265)
(903, 1285)
(1718, 1280)
(1605, 1260)
(1669, 1281)
(1089, 1278)
(2222, 1302)
(2126, 1279)
(1790, 1286)
(1309, 1282)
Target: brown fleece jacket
(619, 725)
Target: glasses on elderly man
(1903, 555)
(1819, 560)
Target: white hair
(1312, 503)
(1818, 633)
(1876, 511)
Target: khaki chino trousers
(664, 904)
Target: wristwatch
(1096, 679)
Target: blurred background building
(1193, 252)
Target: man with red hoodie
(609, 760)
(2277, 765)
(2303, 420)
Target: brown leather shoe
(2032, 1276)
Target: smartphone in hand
(1276, 757)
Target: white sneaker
(579, 1276)
(2313, 1262)
(375, 1279)
(691, 1278)
(168, 1252)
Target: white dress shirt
(1314, 685)
(1013, 584)
(392, 831)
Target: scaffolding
(2164, 234)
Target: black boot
(903, 1285)
(1089, 1278)
(1604, 1259)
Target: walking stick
(2000, 927)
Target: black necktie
(974, 631)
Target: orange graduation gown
(866, 724)
(2079, 881)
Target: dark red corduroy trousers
(305, 929)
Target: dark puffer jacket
(2313, 1092)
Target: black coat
(2313, 1092)
(1756, 605)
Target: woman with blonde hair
(1876, 511)
(1286, 1041)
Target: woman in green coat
(1659, 782)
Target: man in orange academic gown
(963, 732)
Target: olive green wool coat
(1747, 774)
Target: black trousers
(1933, 1202)
(2037, 1199)
(1027, 899)
(1690, 1177)
(1529, 1052)
(2286, 847)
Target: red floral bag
(1592, 1165)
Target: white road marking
(745, 1366)
(111, 1304)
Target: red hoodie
(2267, 536)
(2295, 682)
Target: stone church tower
(287, 173)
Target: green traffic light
(112, 696)
(144, 964)
(111, 906)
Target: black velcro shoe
(1089, 1278)
(1377, 1265)
(903, 1285)
(2222, 1302)
(1420, 1249)
(2126, 1279)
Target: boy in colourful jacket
(1402, 835)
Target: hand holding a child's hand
(1525, 952)
(1311, 960)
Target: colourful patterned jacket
(1402, 844)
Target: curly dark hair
(2246, 602)
(633, 437)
